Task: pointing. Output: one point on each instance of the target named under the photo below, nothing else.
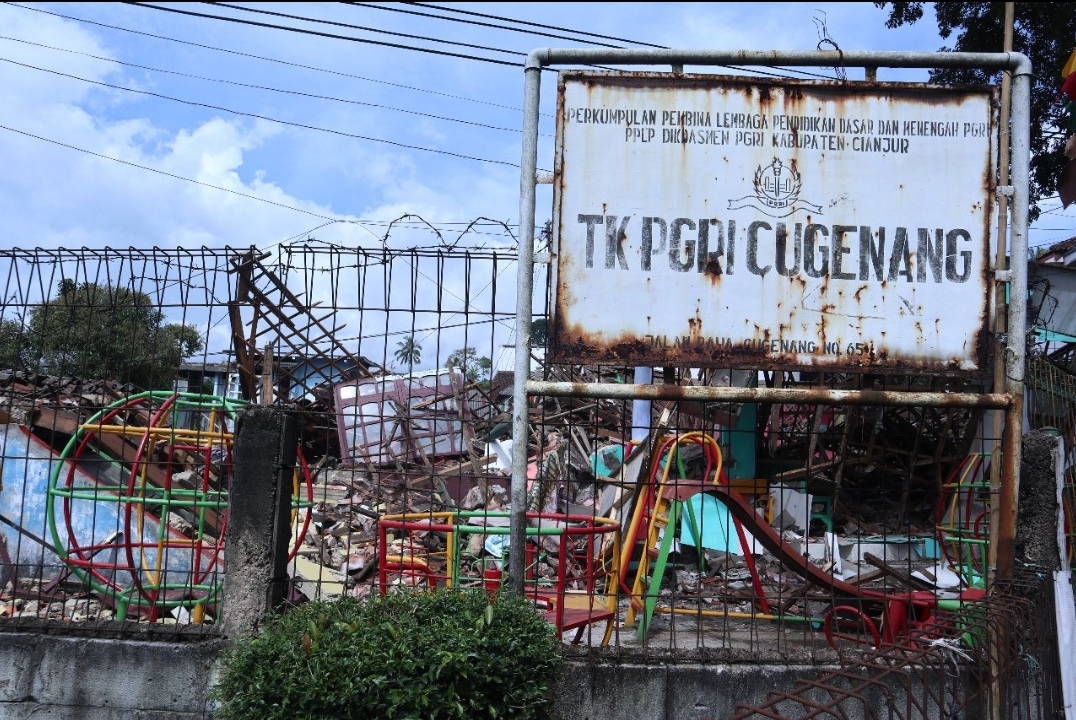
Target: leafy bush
(447, 654)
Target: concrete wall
(51, 677)
(675, 691)
(65, 678)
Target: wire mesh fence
(746, 531)
(123, 372)
(996, 659)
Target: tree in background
(99, 331)
(467, 361)
(408, 352)
(1045, 32)
(13, 349)
(539, 332)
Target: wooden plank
(867, 577)
(904, 578)
(268, 393)
(470, 465)
(55, 420)
(243, 358)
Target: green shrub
(447, 654)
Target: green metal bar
(654, 587)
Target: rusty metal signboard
(716, 221)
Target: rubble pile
(446, 446)
(23, 397)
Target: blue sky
(55, 196)
(60, 196)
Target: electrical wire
(393, 45)
(263, 87)
(330, 220)
(528, 23)
(496, 27)
(366, 28)
(271, 60)
(561, 37)
(257, 116)
(319, 33)
(168, 174)
(1054, 211)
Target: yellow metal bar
(106, 428)
(735, 615)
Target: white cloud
(59, 196)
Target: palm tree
(408, 352)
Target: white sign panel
(711, 221)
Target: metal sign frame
(1009, 399)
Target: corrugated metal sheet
(711, 221)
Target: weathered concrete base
(1036, 531)
(684, 691)
(674, 691)
(66, 678)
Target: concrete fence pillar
(259, 517)
(1038, 514)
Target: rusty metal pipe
(617, 391)
(543, 57)
(1016, 345)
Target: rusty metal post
(1000, 263)
(1015, 348)
(1012, 420)
(524, 301)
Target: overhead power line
(399, 46)
(319, 33)
(496, 26)
(262, 87)
(248, 196)
(269, 59)
(168, 174)
(503, 19)
(528, 23)
(257, 116)
(365, 28)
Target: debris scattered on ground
(446, 445)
